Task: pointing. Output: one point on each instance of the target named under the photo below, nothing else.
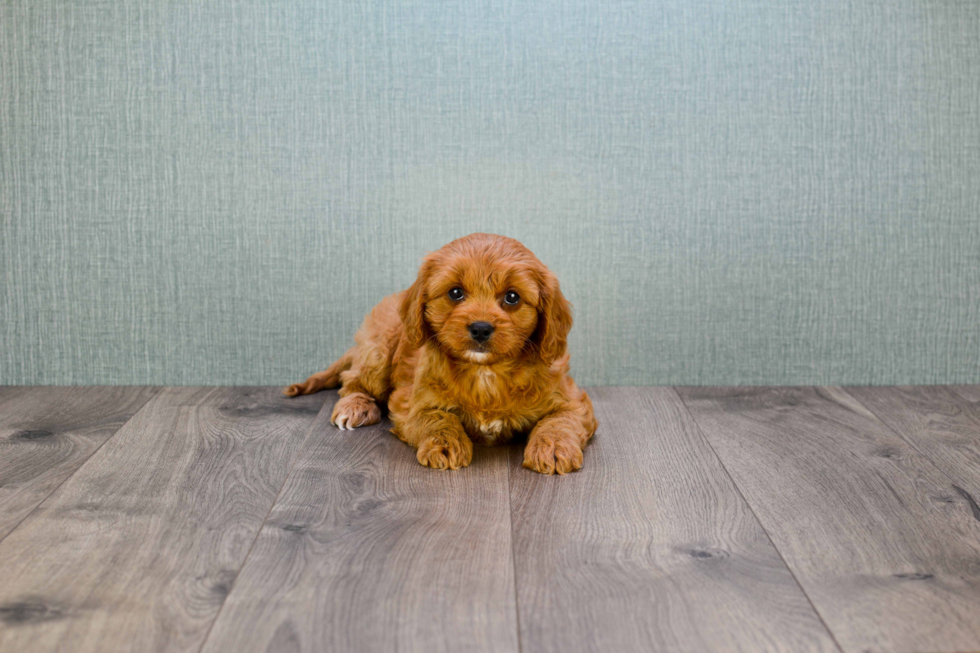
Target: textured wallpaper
(737, 192)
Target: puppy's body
(458, 361)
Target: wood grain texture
(969, 392)
(939, 423)
(46, 433)
(882, 544)
(139, 548)
(650, 547)
(366, 550)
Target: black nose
(481, 331)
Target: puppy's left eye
(511, 298)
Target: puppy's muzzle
(481, 331)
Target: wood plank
(650, 547)
(882, 544)
(139, 548)
(47, 433)
(938, 423)
(366, 550)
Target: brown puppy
(475, 350)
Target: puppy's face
(480, 310)
(485, 299)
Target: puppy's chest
(491, 428)
(493, 410)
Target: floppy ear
(554, 321)
(412, 310)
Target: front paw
(445, 451)
(550, 455)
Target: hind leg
(362, 386)
(356, 409)
(367, 380)
(364, 372)
(357, 405)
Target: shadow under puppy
(474, 351)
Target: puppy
(474, 351)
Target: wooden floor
(704, 519)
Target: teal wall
(747, 191)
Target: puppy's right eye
(456, 294)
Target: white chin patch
(477, 356)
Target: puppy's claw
(355, 410)
(445, 452)
(553, 456)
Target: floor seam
(755, 516)
(513, 553)
(152, 396)
(911, 444)
(258, 532)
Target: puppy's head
(486, 298)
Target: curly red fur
(444, 390)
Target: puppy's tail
(328, 378)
